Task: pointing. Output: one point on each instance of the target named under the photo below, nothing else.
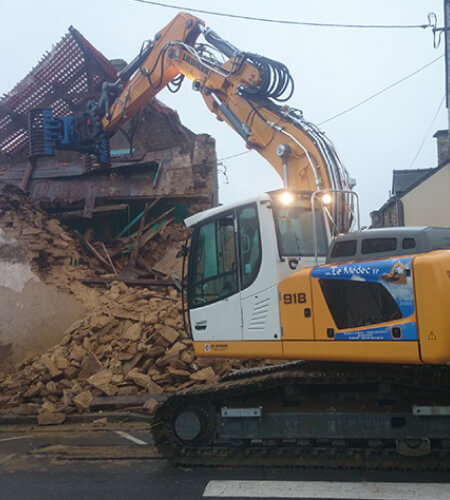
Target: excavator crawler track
(313, 415)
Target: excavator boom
(245, 90)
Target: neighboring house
(419, 197)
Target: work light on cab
(287, 198)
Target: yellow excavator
(362, 317)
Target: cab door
(258, 276)
(213, 283)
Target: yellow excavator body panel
(271, 349)
(432, 288)
(394, 310)
(310, 331)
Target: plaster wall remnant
(15, 270)
(33, 315)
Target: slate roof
(403, 180)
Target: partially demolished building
(153, 157)
(124, 220)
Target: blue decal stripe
(393, 274)
(409, 332)
(364, 271)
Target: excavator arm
(242, 91)
(245, 90)
(151, 71)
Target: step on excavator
(359, 320)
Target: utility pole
(447, 61)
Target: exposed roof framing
(63, 80)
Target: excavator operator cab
(239, 254)
(294, 225)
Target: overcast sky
(333, 69)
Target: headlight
(326, 199)
(286, 198)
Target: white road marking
(328, 489)
(15, 437)
(131, 438)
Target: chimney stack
(442, 145)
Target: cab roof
(211, 212)
(264, 197)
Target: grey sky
(333, 69)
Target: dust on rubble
(129, 342)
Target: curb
(83, 418)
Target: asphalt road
(117, 461)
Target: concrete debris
(206, 374)
(51, 418)
(83, 400)
(100, 422)
(150, 405)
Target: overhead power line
(369, 99)
(234, 156)
(284, 21)
(351, 108)
(428, 132)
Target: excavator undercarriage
(313, 415)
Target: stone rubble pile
(54, 255)
(131, 341)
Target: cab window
(249, 245)
(214, 265)
(295, 231)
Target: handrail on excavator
(321, 194)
